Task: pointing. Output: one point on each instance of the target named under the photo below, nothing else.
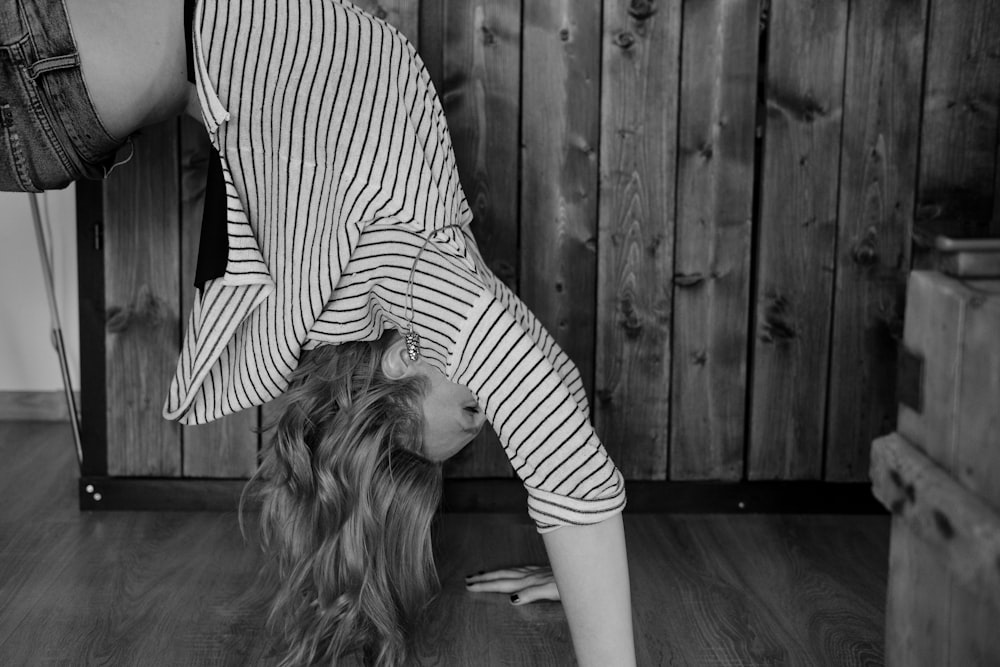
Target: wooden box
(939, 474)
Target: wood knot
(641, 10)
(624, 40)
(564, 34)
(865, 250)
(699, 357)
(654, 244)
(778, 322)
(943, 524)
(631, 321)
(146, 310)
(487, 36)
(688, 279)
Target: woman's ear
(396, 363)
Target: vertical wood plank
(918, 603)
(877, 187)
(959, 136)
(404, 15)
(797, 233)
(932, 620)
(972, 627)
(977, 402)
(640, 82)
(712, 258)
(431, 44)
(226, 447)
(481, 98)
(141, 236)
(559, 142)
(934, 316)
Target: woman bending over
(349, 279)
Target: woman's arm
(591, 571)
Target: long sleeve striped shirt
(338, 168)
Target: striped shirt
(338, 168)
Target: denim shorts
(51, 134)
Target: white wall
(28, 362)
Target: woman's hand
(525, 584)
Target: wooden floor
(131, 588)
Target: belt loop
(44, 65)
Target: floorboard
(175, 588)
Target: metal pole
(57, 337)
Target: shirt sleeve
(563, 365)
(538, 417)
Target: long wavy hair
(346, 505)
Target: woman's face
(452, 418)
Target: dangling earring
(412, 339)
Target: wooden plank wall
(709, 203)
(713, 238)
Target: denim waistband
(36, 38)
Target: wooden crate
(940, 476)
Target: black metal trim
(508, 495)
(90, 277)
(910, 379)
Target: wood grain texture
(915, 632)
(977, 428)
(878, 171)
(431, 45)
(712, 257)
(404, 15)
(962, 528)
(639, 116)
(797, 236)
(560, 134)
(481, 98)
(931, 619)
(142, 293)
(952, 326)
(820, 577)
(151, 589)
(932, 331)
(960, 113)
(226, 447)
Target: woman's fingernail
(514, 598)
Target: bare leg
(133, 59)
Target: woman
(351, 276)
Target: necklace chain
(410, 336)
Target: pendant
(412, 339)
